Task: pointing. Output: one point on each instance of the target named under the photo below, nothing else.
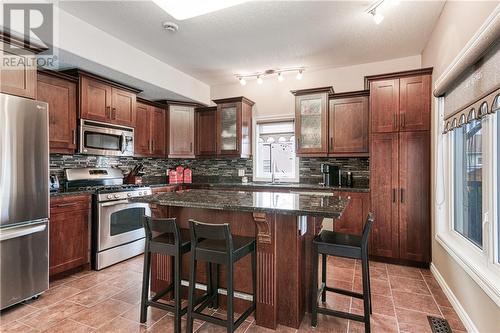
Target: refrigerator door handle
(21, 231)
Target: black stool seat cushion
(169, 239)
(334, 243)
(241, 246)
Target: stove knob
(110, 196)
(129, 195)
(117, 196)
(140, 193)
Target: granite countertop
(71, 192)
(298, 186)
(282, 203)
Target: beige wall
(458, 22)
(273, 98)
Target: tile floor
(108, 301)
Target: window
(468, 182)
(275, 152)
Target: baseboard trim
(462, 314)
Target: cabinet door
(415, 107)
(158, 140)
(206, 133)
(95, 100)
(414, 195)
(181, 131)
(68, 240)
(142, 133)
(311, 124)
(384, 105)
(228, 128)
(123, 107)
(60, 94)
(18, 74)
(348, 125)
(383, 188)
(354, 216)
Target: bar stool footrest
(341, 314)
(166, 307)
(162, 293)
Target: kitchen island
(283, 225)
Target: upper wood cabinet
(18, 72)
(206, 131)
(234, 127)
(311, 121)
(150, 130)
(181, 131)
(348, 124)
(60, 92)
(400, 101)
(104, 100)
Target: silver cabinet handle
(113, 203)
(73, 134)
(21, 231)
(69, 204)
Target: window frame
(271, 119)
(482, 265)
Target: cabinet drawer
(69, 203)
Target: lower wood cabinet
(69, 232)
(354, 217)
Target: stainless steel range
(117, 231)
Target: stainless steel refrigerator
(24, 199)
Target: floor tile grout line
(433, 298)
(350, 298)
(392, 298)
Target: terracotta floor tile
(417, 318)
(378, 324)
(340, 273)
(130, 295)
(399, 283)
(211, 328)
(404, 271)
(341, 262)
(102, 313)
(53, 295)
(16, 312)
(51, 315)
(126, 280)
(375, 273)
(373, 264)
(253, 328)
(166, 324)
(220, 313)
(121, 325)
(68, 326)
(380, 305)
(16, 327)
(425, 272)
(326, 324)
(378, 286)
(90, 280)
(154, 315)
(95, 295)
(62, 281)
(414, 328)
(415, 302)
(453, 319)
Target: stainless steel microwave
(98, 138)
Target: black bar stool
(214, 244)
(347, 246)
(164, 236)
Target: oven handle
(114, 203)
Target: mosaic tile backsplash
(206, 169)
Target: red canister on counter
(188, 176)
(180, 174)
(172, 176)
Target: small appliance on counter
(331, 175)
(347, 179)
(54, 184)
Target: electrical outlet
(241, 172)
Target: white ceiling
(260, 35)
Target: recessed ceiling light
(185, 9)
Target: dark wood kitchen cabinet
(104, 100)
(400, 101)
(348, 124)
(311, 121)
(60, 92)
(206, 131)
(150, 131)
(181, 131)
(354, 216)
(234, 127)
(69, 232)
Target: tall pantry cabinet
(400, 164)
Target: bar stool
(214, 244)
(170, 240)
(347, 246)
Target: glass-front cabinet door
(228, 128)
(311, 123)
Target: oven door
(120, 222)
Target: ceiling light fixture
(374, 9)
(377, 17)
(170, 26)
(185, 9)
(279, 72)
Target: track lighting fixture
(259, 80)
(260, 75)
(299, 75)
(243, 82)
(374, 9)
(377, 17)
(280, 77)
